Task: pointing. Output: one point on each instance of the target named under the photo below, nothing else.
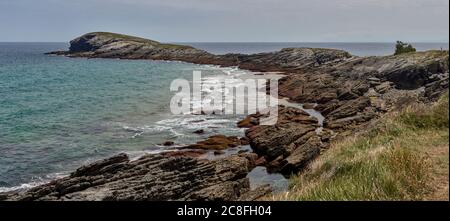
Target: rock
(261, 162)
(256, 194)
(349, 122)
(348, 108)
(112, 45)
(250, 121)
(218, 152)
(151, 177)
(185, 153)
(302, 155)
(374, 79)
(168, 143)
(383, 87)
(103, 166)
(244, 141)
(434, 90)
(217, 142)
(243, 151)
(309, 106)
(276, 144)
(292, 59)
(201, 131)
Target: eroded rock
(151, 177)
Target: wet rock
(201, 131)
(103, 166)
(309, 106)
(261, 161)
(250, 121)
(244, 141)
(243, 151)
(168, 143)
(217, 142)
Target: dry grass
(404, 158)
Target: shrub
(401, 48)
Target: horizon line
(308, 42)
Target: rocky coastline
(350, 92)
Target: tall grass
(389, 162)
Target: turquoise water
(57, 113)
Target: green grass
(404, 158)
(140, 40)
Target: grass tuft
(398, 160)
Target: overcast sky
(229, 20)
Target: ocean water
(57, 113)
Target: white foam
(40, 181)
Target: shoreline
(208, 155)
(351, 93)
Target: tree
(401, 48)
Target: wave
(40, 181)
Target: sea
(58, 113)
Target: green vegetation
(139, 40)
(402, 48)
(404, 158)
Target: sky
(228, 20)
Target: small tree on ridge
(401, 48)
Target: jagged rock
(435, 89)
(288, 145)
(185, 153)
(383, 87)
(348, 108)
(152, 177)
(217, 142)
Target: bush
(401, 48)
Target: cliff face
(351, 92)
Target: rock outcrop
(290, 144)
(217, 142)
(111, 45)
(150, 178)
